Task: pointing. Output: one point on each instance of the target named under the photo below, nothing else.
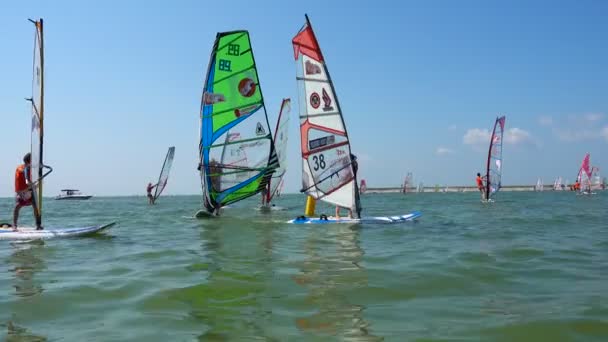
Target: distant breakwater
(458, 188)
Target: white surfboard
(30, 233)
(370, 219)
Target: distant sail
(539, 185)
(596, 179)
(494, 163)
(584, 174)
(164, 173)
(557, 185)
(363, 186)
(407, 182)
(232, 103)
(328, 173)
(280, 142)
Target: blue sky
(419, 83)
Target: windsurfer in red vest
(149, 190)
(23, 191)
(480, 185)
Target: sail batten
(237, 154)
(494, 161)
(328, 171)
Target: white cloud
(604, 133)
(481, 137)
(579, 127)
(476, 137)
(594, 117)
(545, 120)
(442, 151)
(452, 127)
(572, 135)
(516, 136)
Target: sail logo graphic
(225, 65)
(245, 110)
(326, 102)
(38, 75)
(311, 69)
(211, 98)
(247, 87)
(259, 130)
(315, 100)
(234, 49)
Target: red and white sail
(584, 174)
(328, 171)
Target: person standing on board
(149, 190)
(355, 165)
(264, 193)
(23, 191)
(480, 186)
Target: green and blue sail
(232, 103)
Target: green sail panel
(236, 147)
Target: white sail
(557, 185)
(539, 185)
(280, 142)
(37, 101)
(164, 172)
(596, 179)
(328, 167)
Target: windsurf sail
(494, 163)
(407, 182)
(420, 187)
(363, 186)
(584, 175)
(164, 173)
(280, 143)
(37, 167)
(557, 185)
(328, 167)
(539, 185)
(233, 118)
(596, 179)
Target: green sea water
(529, 267)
